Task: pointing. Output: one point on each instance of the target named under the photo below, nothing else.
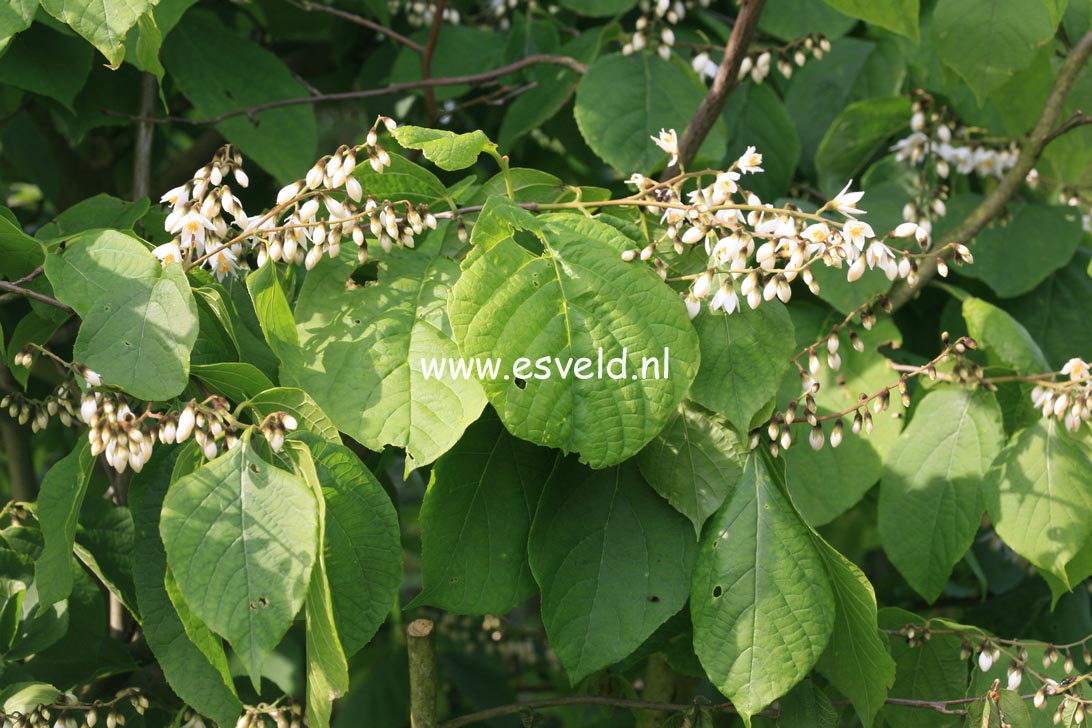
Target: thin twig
(724, 82)
(534, 59)
(426, 58)
(1078, 118)
(1030, 152)
(360, 20)
(27, 293)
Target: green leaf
(241, 537)
(44, 61)
(760, 598)
(859, 132)
(189, 672)
(274, 313)
(694, 463)
(327, 669)
(1009, 265)
(1002, 337)
(59, 501)
(743, 358)
(855, 660)
(806, 706)
(210, 645)
(446, 149)
(104, 23)
(556, 321)
(757, 117)
(898, 16)
(297, 403)
(599, 8)
(788, 20)
(475, 520)
(613, 562)
(195, 57)
(139, 318)
(99, 212)
(15, 17)
(104, 544)
(1038, 498)
(26, 696)
(235, 380)
(622, 101)
(402, 180)
(1009, 704)
(366, 359)
(361, 546)
(968, 34)
(35, 329)
(932, 480)
(1056, 312)
(22, 253)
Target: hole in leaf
(653, 598)
(254, 468)
(717, 591)
(521, 383)
(454, 580)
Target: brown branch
(536, 58)
(27, 293)
(426, 58)
(1030, 152)
(724, 82)
(362, 21)
(142, 151)
(424, 688)
(1078, 118)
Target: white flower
(846, 202)
(817, 234)
(637, 180)
(168, 253)
(1076, 369)
(287, 193)
(704, 65)
(750, 161)
(669, 142)
(912, 147)
(223, 264)
(905, 230)
(192, 227)
(986, 162)
(178, 196)
(857, 233)
(693, 306)
(985, 660)
(725, 186)
(725, 300)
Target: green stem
(421, 647)
(502, 160)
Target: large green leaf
(196, 56)
(475, 521)
(1056, 312)
(59, 501)
(327, 668)
(297, 403)
(791, 19)
(1011, 266)
(235, 380)
(367, 357)
(22, 253)
(274, 314)
(1002, 337)
(15, 17)
(361, 546)
(694, 462)
(1038, 496)
(969, 33)
(760, 598)
(104, 544)
(899, 16)
(446, 149)
(931, 484)
(139, 318)
(104, 23)
(563, 316)
(860, 131)
(188, 670)
(599, 7)
(622, 101)
(743, 357)
(241, 537)
(855, 660)
(757, 117)
(613, 562)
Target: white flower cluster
(756, 251)
(947, 146)
(126, 439)
(653, 27)
(63, 403)
(757, 65)
(419, 13)
(1071, 403)
(311, 217)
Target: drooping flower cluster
(758, 64)
(1070, 402)
(419, 13)
(63, 403)
(126, 439)
(755, 251)
(68, 711)
(937, 139)
(311, 218)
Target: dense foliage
(610, 362)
